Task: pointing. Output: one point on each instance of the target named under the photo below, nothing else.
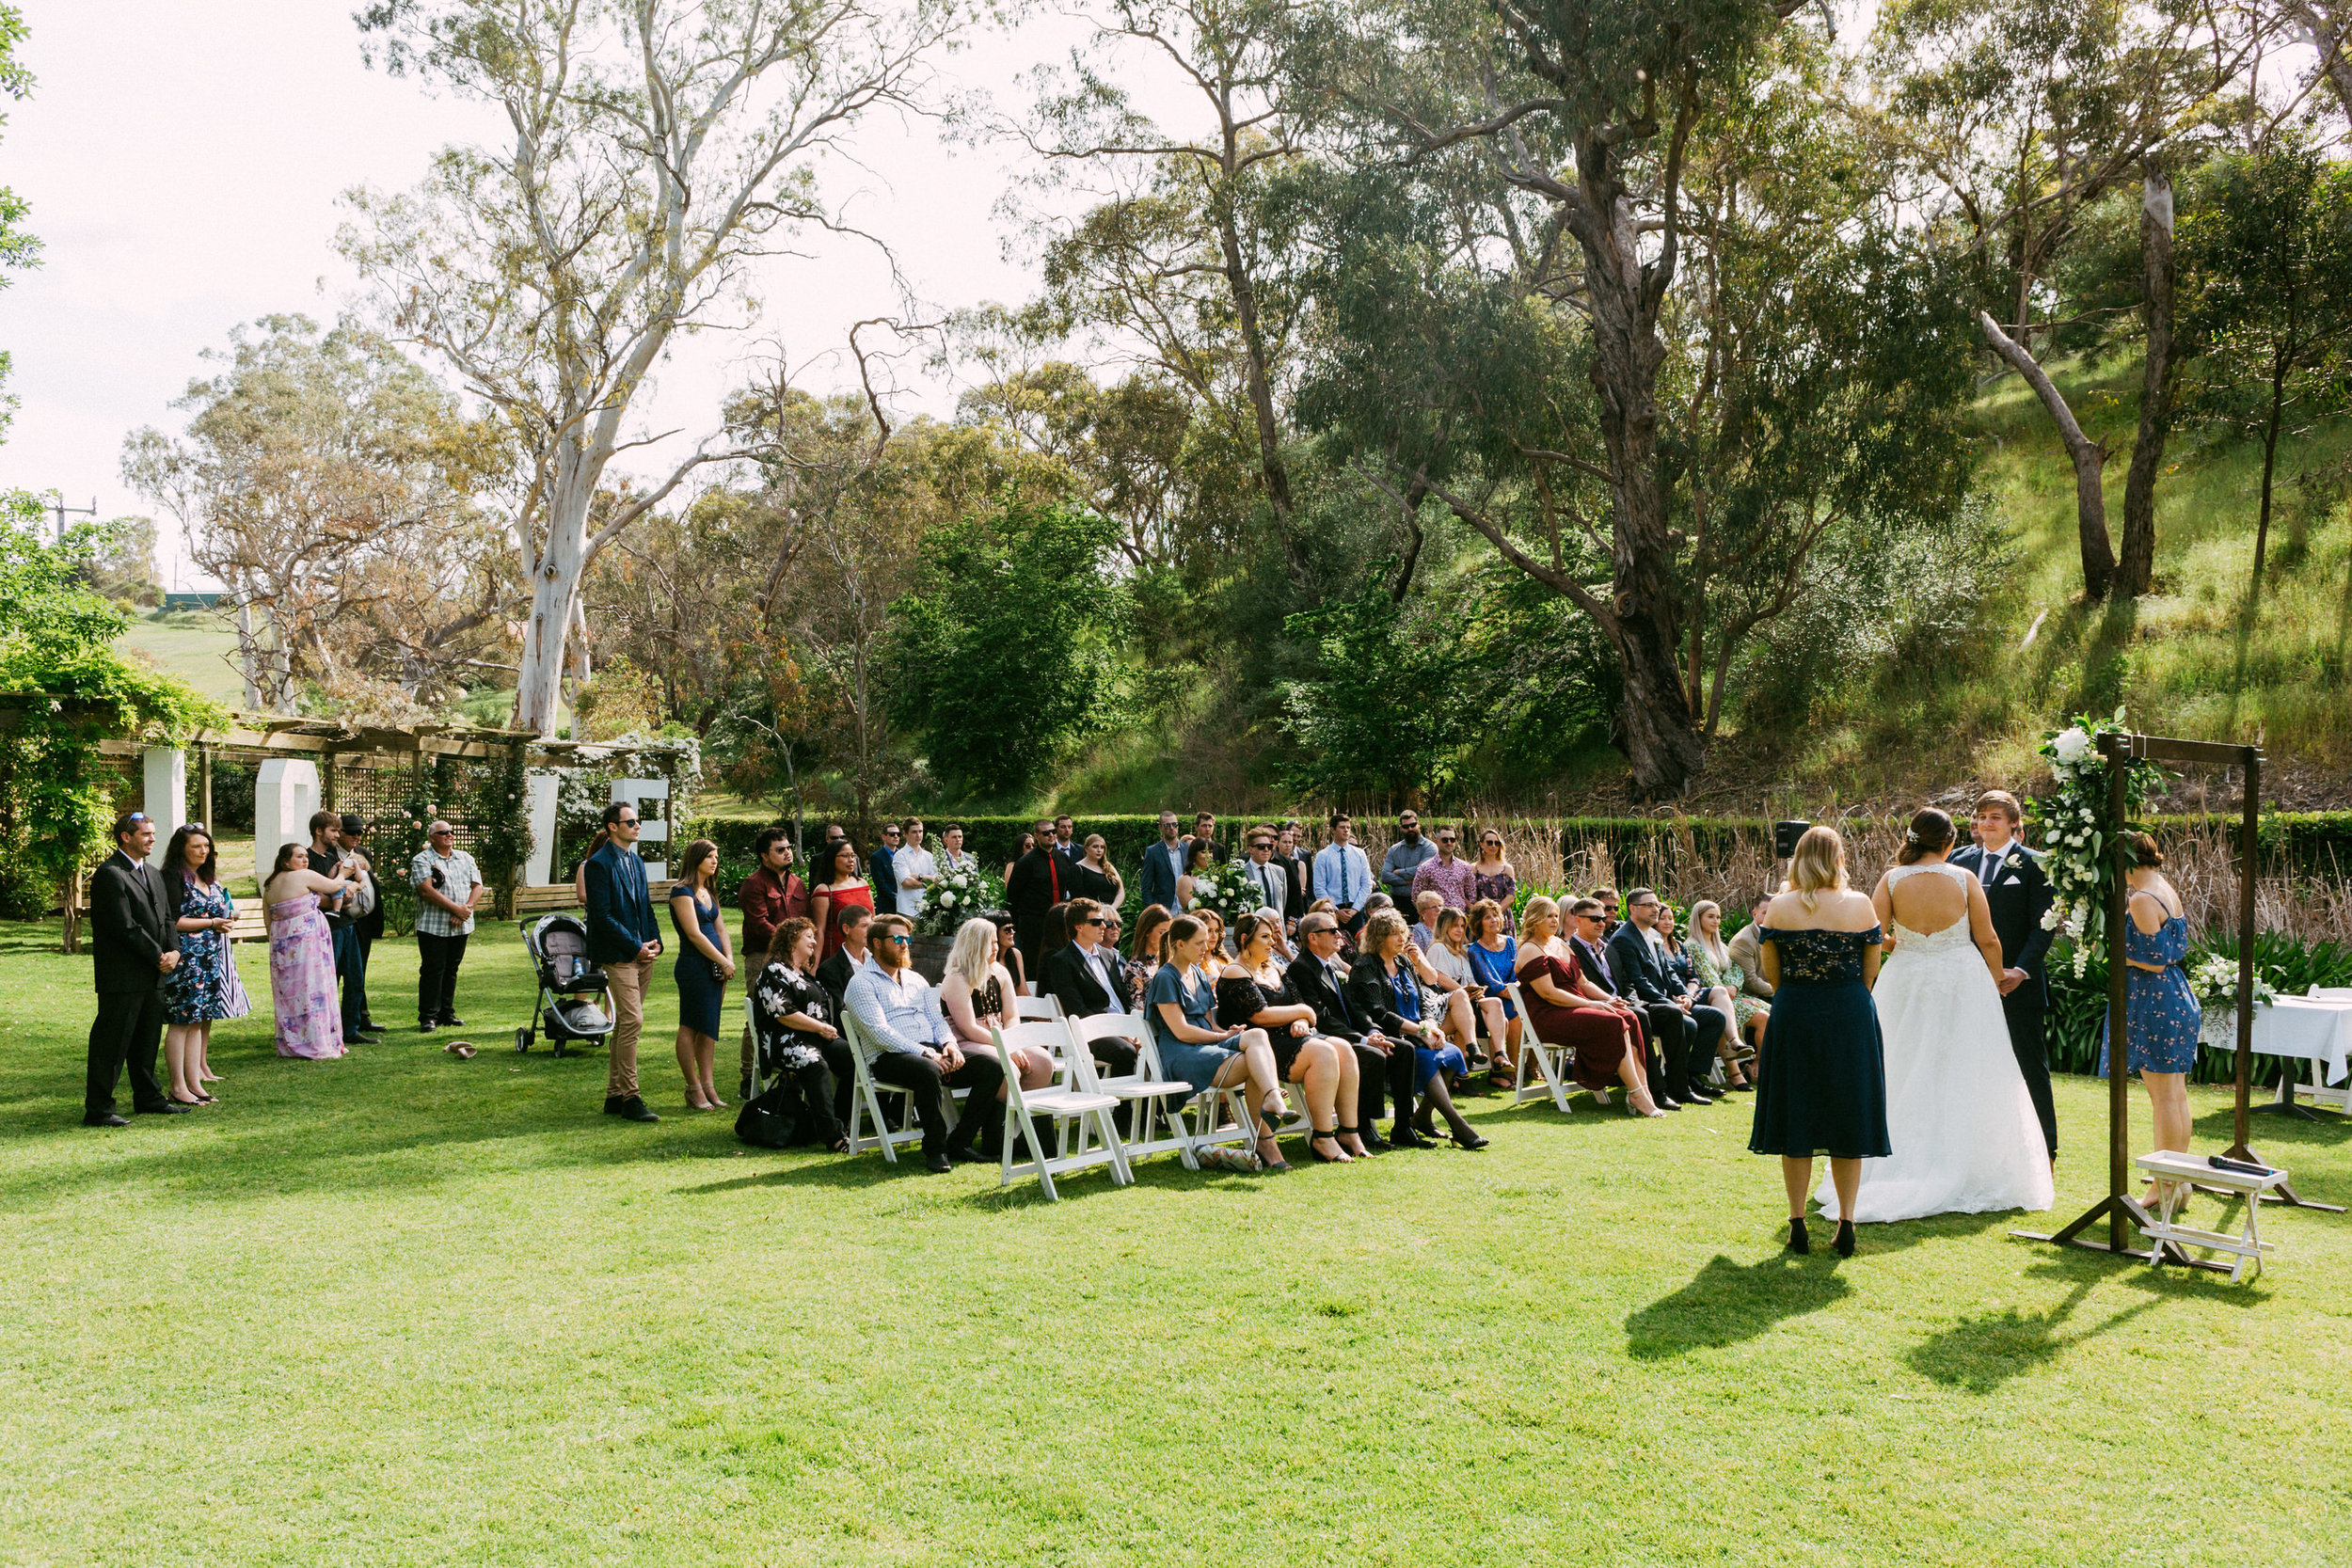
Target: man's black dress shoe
(453, 1023)
(1406, 1137)
(423, 1028)
(629, 1107)
(109, 1119)
(937, 1165)
(162, 1108)
(367, 1034)
(967, 1155)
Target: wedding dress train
(1959, 1118)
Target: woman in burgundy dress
(1565, 1009)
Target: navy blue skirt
(1825, 1089)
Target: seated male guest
(908, 1043)
(1743, 946)
(1384, 1068)
(833, 973)
(1685, 1037)
(1089, 978)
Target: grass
(197, 648)
(400, 1308)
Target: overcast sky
(183, 157)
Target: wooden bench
(531, 901)
(2181, 1170)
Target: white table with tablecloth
(2316, 1029)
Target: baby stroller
(570, 986)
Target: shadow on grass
(1728, 1302)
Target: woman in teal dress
(1180, 1005)
(2161, 1015)
(1826, 1094)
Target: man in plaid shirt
(449, 885)
(1447, 875)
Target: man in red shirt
(771, 895)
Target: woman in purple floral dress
(302, 956)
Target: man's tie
(1339, 994)
(1988, 868)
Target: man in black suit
(2019, 893)
(369, 924)
(135, 941)
(882, 870)
(1290, 855)
(1686, 1037)
(1384, 1067)
(1088, 980)
(1035, 886)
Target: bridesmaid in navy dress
(2161, 1015)
(704, 965)
(1825, 1089)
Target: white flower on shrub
(2071, 745)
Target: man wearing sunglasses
(1085, 976)
(135, 941)
(1685, 1035)
(907, 1042)
(449, 887)
(623, 937)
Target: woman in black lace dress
(1826, 1094)
(1253, 991)
(793, 1014)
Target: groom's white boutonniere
(2014, 860)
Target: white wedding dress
(1958, 1117)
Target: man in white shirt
(908, 1043)
(1343, 874)
(917, 870)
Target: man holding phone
(625, 938)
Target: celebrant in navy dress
(1825, 1089)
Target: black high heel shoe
(1798, 1241)
(1332, 1138)
(1844, 1240)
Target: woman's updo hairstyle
(2141, 851)
(1931, 829)
(1181, 929)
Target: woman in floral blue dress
(2161, 1015)
(204, 987)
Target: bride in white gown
(1958, 1115)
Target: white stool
(2181, 1169)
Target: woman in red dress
(1565, 1009)
(835, 887)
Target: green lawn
(201, 652)
(400, 1308)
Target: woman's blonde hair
(973, 951)
(1539, 908)
(1714, 944)
(1381, 928)
(1817, 866)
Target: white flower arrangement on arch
(2078, 854)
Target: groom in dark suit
(135, 941)
(2019, 893)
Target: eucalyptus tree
(660, 148)
(1599, 285)
(2014, 117)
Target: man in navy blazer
(135, 942)
(1162, 865)
(1685, 1035)
(625, 938)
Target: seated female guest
(1383, 987)
(1449, 957)
(1143, 955)
(1427, 903)
(1199, 857)
(204, 988)
(704, 965)
(1565, 1009)
(978, 991)
(1494, 962)
(1712, 963)
(1192, 1047)
(1255, 991)
(797, 1023)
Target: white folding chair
(1069, 1106)
(1146, 1089)
(866, 1099)
(1037, 1009)
(751, 1021)
(1549, 1060)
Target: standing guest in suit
(134, 946)
(1404, 857)
(1163, 863)
(302, 956)
(913, 870)
(1039, 881)
(203, 988)
(325, 859)
(704, 967)
(771, 895)
(1297, 870)
(1685, 1043)
(908, 1043)
(1272, 881)
(1384, 1067)
(1343, 874)
(1743, 948)
(2019, 893)
(367, 924)
(1065, 841)
(448, 886)
(838, 891)
(1383, 987)
(1093, 876)
(625, 938)
(884, 871)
